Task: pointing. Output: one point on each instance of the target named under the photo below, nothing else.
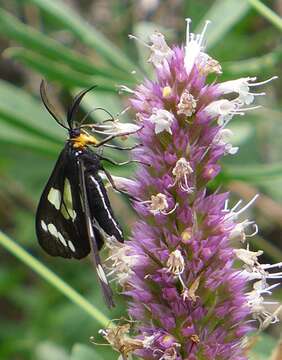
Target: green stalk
(267, 13)
(53, 279)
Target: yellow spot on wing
(54, 197)
(67, 208)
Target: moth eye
(54, 197)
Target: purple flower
(188, 299)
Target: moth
(74, 212)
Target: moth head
(74, 133)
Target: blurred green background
(75, 44)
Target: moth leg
(123, 163)
(111, 181)
(122, 148)
(110, 137)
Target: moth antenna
(91, 111)
(49, 107)
(73, 108)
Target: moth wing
(95, 238)
(60, 221)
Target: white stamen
(250, 203)
(188, 21)
(270, 266)
(226, 204)
(251, 108)
(236, 206)
(242, 87)
(194, 46)
(239, 230)
(258, 94)
(257, 303)
(263, 82)
(201, 37)
(225, 109)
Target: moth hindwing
(74, 209)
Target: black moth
(74, 209)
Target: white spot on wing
(90, 228)
(71, 246)
(105, 205)
(62, 239)
(52, 230)
(101, 274)
(43, 225)
(54, 197)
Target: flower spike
(194, 283)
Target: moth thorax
(82, 140)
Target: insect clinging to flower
(74, 214)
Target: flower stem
(53, 279)
(267, 13)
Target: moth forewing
(60, 223)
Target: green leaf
(53, 279)
(269, 14)
(263, 347)
(83, 352)
(253, 173)
(10, 135)
(223, 14)
(95, 99)
(20, 125)
(20, 109)
(47, 350)
(254, 65)
(59, 72)
(87, 33)
(25, 123)
(40, 43)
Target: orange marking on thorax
(83, 139)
